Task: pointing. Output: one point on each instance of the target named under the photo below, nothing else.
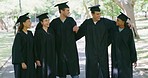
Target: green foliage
(141, 5)
(110, 8)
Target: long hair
(127, 25)
(39, 26)
(21, 27)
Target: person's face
(45, 22)
(27, 23)
(119, 22)
(96, 15)
(66, 12)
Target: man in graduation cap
(97, 32)
(123, 53)
(67, 54)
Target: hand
(75, 29)
(24, 66)
(135, 64)
(38, 63)
(129, 25)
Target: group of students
(53, 46)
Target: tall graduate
(22, 51)
(123, 49)
(97, 32)
(68, 62)
(44, 48)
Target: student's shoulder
(88, 20)
(105, 19)
(29, 31)
(19, 34)
(108, 20)
(55, 19)
(70, 18)
(129, 29)
(39, 30)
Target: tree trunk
(96, 2)
(128, 8)
(86, 8)
(20, 6)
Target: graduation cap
(62, 5)
(95, 8)
(22, 18)
(123, 17)
(42, 16)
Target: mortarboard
(95, 8)
(42, 16)
(123, 17)
(62, 5)
(22, 18)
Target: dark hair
(92, 12)
(21, 27)
(61, 9)
(39, 26)
(126, 25)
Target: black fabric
(22, 51)
(123, 17)
(96, 48)
(42, 16)
(68, 62)
(123, 53)
(95, 8)
(44, 47)
(62, 5)
(22, 18)
(17, 70)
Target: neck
(122, 26)
(25, 29)
(45, 28)
(95, 20)
(62, 17)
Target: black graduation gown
(45, 52)
(68, 62)
(22, 51)
(96, 49)
(123, 53)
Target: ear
(61, 11)
(92, 13)
(24, 23)
(42, 22)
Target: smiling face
(119, 22)
(45, 22)
(96, 15)
(27, 23)
(65, 12)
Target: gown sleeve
(37, 44)
(132, 48)
(111, 25)
(82, 30)
(16, 49)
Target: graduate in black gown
(22, 51)
(97, 32)
(123, 49)
(65, 42)
(44, 48)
